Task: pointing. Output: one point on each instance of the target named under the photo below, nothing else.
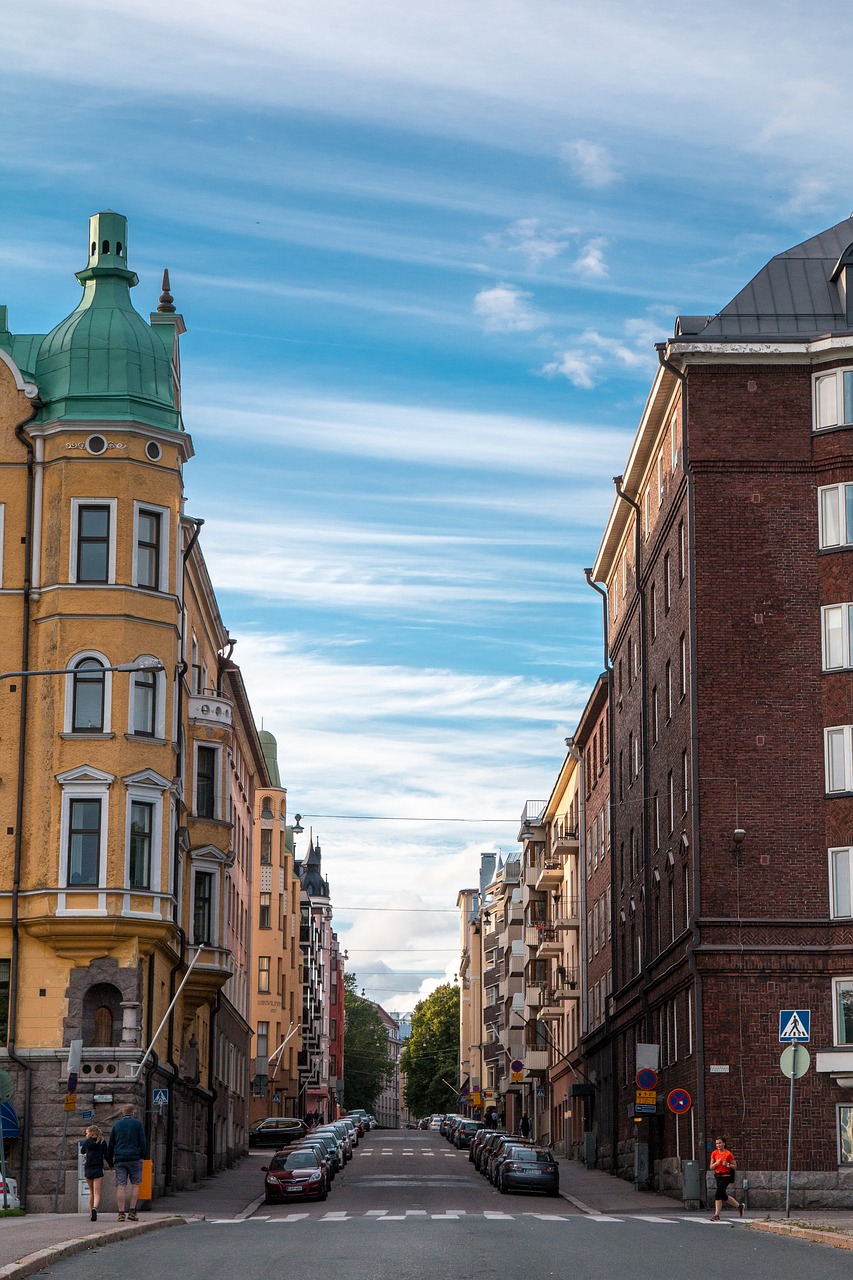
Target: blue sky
(423, 253)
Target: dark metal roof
(794, 296)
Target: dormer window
(832, 398)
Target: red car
(295, 1175)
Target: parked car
(345, 1134)
(337, 1140)
(277, 1131)
(465, 1131)
(485, 1146)
(331, 1147)
(435, 1122)
(353, 1129)
(313, 1143)
(529, 1169)
(500, 1152)
(12, 1201)
(476, 1142)
(294, 1175)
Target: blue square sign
(795, 1026)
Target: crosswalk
(379, 1216)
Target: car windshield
(525, 1155)
(296, 1160)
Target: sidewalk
(595, 1192)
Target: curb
(33, 1262)
(813, 1234)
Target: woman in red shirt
(723, 1168)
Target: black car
(528, 1169)
(465, 1131)
(277, 1131)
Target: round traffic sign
(795, 1061)
(646, 1078)
(679, 1100)
(516, 1065)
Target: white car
(12, 1201)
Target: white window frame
(83, 783)
(844, 735)
(159, 702)
(845, 536)
(165, 542)
(211, 860)
(673, 439)
(76, 504)
(647, 509)
(827, 611)
(146, 787)
(217, 798)
(840, 910)
(831, 382)
(68, 719)
(835, 1030)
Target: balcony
(550, 874)
(210, 709)
(550, 941)
(531, 935)
(536, 1061)
(533, 995)
(568, 914)
(517, 959)
(552, 1007)
(564, 839)
(531, 820)
(512, 871)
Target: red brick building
(728, 562)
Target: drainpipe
(695, 913)
(14, 966)
(170, 1050)
(179, 711)
(611, 767)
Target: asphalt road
(409, 1207)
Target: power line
(376, 817)
(415, 910)
(414, 951)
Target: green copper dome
(104, 362)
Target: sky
(423, 253)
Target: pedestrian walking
(524, 1127)
(94, 1149)
(723, 1168)
(127, 1148)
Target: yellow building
(125, 753)
(276, 987)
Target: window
(670, 799)
(266, 847)
(682, 551)
(838, 759)
(685, 783)
(631, 757)
(656, 818)
(653, 610)
(845, 1133)
(841, 883)
(203, 908)
(103, 1029)
(833, 399)
(654, 714)
(630, 661)
(149, 549)
(206, 762)
(837, 631)
(87, 696)
(673, 440)
(263, 975)
(144, 720)
(264, 911)
(842, 1001)
(84, 842)
(668, 687)
(835, 515)
(262, 1042)
(667, 583)
(682, 667)
(141, 830)
(93, 543)
(5, 978)
(647, 508)
(2, 514)
(660, 478)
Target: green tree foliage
(367, 1064)
(431, 1056)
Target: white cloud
(533, 239)
(586, 361)
(579, 367)
(506, 309)
(590, 163)
(590, 261)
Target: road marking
(488, 1214)
(335, 1216)
(549, 1217)
(291, 1217)
(376, 1213)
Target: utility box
(590, 1149)
(691, 1184)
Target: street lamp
(144, 664)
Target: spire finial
(167, 302)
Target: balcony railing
(564, 839)
(536, 1059)
(207, 708)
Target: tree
(367, 1064)
(431, 1056)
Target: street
(410, 1207)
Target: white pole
(150, 1048)
(280, 1050)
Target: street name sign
(795, 1026)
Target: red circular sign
(679, 1100)
(646, 1078)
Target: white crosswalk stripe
(455, 1215)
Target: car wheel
(502, 1187)
(323, 1194)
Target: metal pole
(794, 1048)
(678, 1138)
(3, 1166)
(150, 1048)
(61, 1163)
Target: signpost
(75, 1053)
(678, 1101)
(645, 1097)
(793, 1063)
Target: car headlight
(315, 1176)
(272, 1180)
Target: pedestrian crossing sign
(795, 1026)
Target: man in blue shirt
(128, 1147)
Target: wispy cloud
(506, 309)
(533, 239)
(587, 361)
(590, 261)
(590, 162)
